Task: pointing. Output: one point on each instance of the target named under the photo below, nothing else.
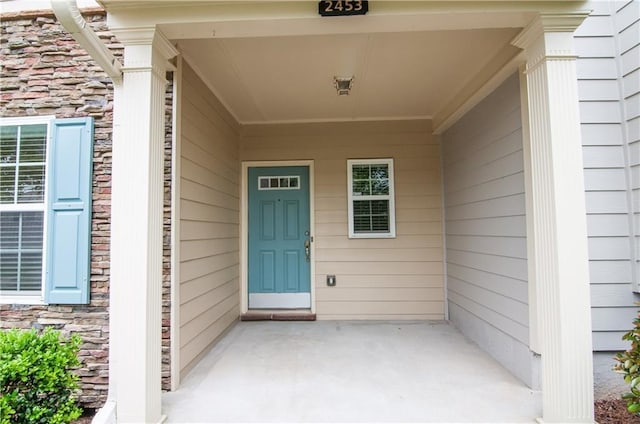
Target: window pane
(7, 184)
(31, 271)
(370, 216)
(380, 187)
(380, 207)
(362, 216)
(360, 172)
(380, 172)
(21, 246)
(361, 188)
(362, 207)
(380, 223)
(380, 216)
(22, 157)
(32, 143)
(31, 184)
(279, 183)
(370, 180)
(8, 271)
(9, 230)
(8, 143)
(380, 179)
(362, 224)
(32, 230)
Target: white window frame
(36, 298)
(390, 197)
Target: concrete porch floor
(349, 371)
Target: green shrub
(629, 365)
(36, 382)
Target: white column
(558, 218)
(136, 227)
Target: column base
(106, 414)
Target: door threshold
(278, 315)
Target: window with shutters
(371, 198)
(45, 209)
(23, 154)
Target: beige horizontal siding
(398, 278)
(380, 294)
(388, 307)
(209, 222)
(223, 320)
(369, 281)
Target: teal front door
(279, 237)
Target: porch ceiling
(274, 61)
(396, 75)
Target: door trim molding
(244, 226)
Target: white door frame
(244, 227)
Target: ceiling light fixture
(343, 85)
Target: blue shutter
(68, 209)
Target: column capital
(146, 36)
(549, 23)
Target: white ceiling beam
(199, 19)
(341, 25)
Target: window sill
(21, 300)
(371, 236)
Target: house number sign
(343, 7)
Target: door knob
(307, 249)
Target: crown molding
(546, 23)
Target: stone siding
(166, 243)
(45, 72)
